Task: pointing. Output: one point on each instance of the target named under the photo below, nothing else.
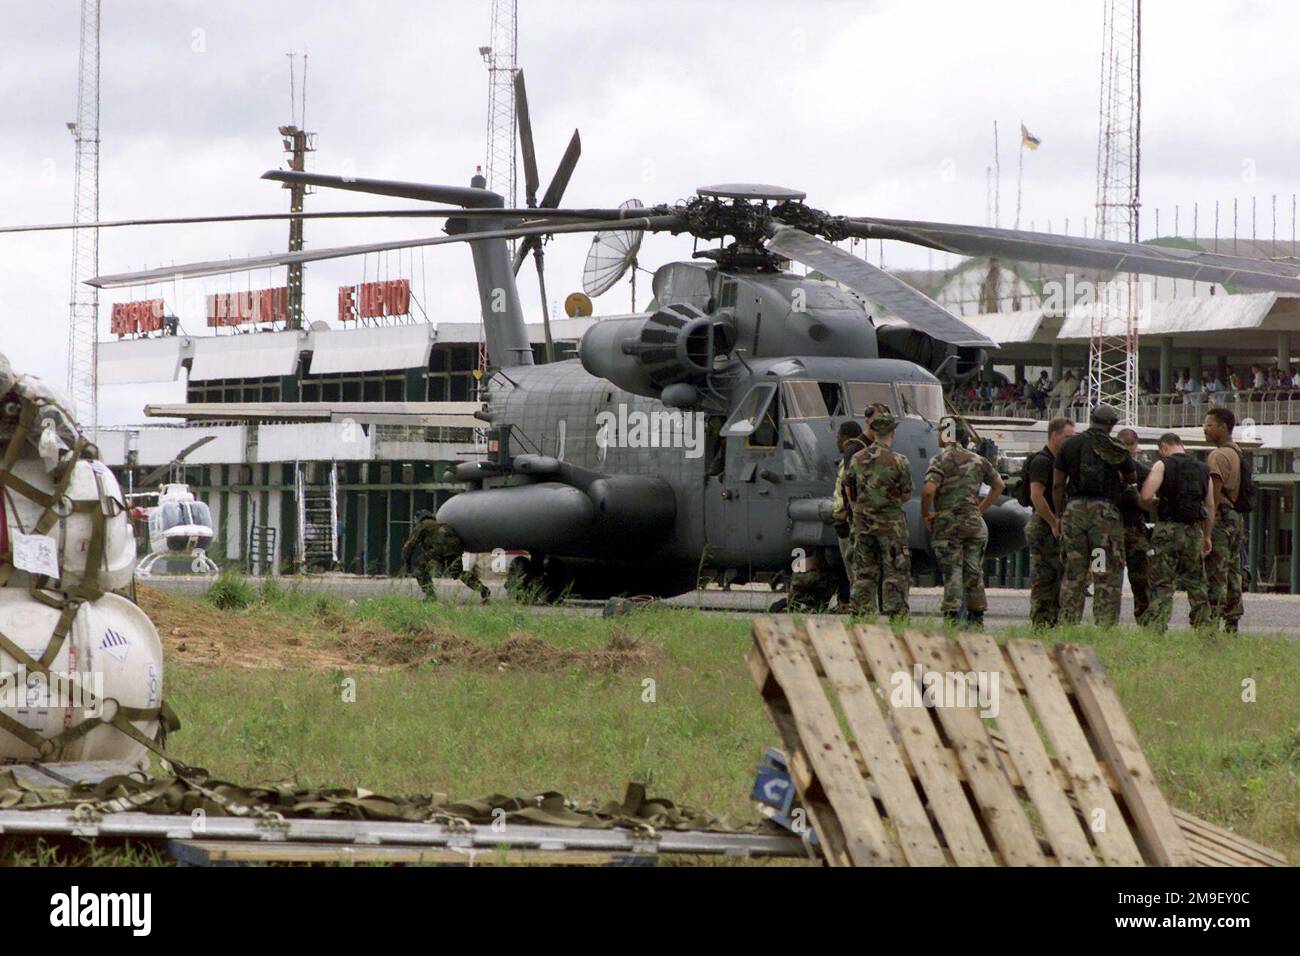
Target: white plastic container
(91, 481)
(112, 650)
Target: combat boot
(953, 618)
(975, 620)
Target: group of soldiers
(873, 484)
(1092, 498)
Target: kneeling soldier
(1178, 492)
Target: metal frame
(273, 828)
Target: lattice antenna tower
(499, 165)
(83, 320)
(1113, 344)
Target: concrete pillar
(1019, 373)
(1058, 362)
(1166, 365)
(1283, 350)
(1196, 365)
(1295, 538)
(1222, 365)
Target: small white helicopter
(180, 525)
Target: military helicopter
(697, 440)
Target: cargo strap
(57, 505)
(50, 748)
(194, 791)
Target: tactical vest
(1182, 492)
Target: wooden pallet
(887, 780)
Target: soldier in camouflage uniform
(878, 482)
(434, 550)
(1137, 537)
(814, 584)
(1092, 470)
(1043, 533)
(1178, 491)
(849, 439)
(953, 509)
(1223, 563)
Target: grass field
(504, 699)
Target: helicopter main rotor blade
(531, 182)
(184, 453)
(658, 223)
(525, 215)
(554, 193)
(466, 196)
(1084, 253)
(876, 285)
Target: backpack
(1022, 492)
(1092, 472)
(1245, 502)
(1187, 502)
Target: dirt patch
(196, 634)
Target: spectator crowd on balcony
(1044, 398)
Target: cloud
(873, 108)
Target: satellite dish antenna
(578, 305)
(610, 256)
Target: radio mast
(499, 167)
(83, 320)
(1113, 344)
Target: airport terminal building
(387, 409)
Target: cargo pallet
(1060, 780)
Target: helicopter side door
(745, 515)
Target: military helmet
(884, 423)
(1104, 415)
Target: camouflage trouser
(881, 561)
(1137, 542)
(1175, 562)
(846, 554)
(1223, 568)
(959, 552)
(1044, 573)
(1092, 543)
(813, 590)
(426, 571)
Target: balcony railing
(1260, 406)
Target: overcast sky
(874, 108)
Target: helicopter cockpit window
(197, 513)
(754, 416)
(802, 398)
(921, 400)
(171, 515)
(862, 395)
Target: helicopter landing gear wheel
(534, 580)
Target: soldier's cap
(1104, 415)
(884, 423)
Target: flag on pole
(1028, 139)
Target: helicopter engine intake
(646, 354)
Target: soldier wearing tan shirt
(1223, 563)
